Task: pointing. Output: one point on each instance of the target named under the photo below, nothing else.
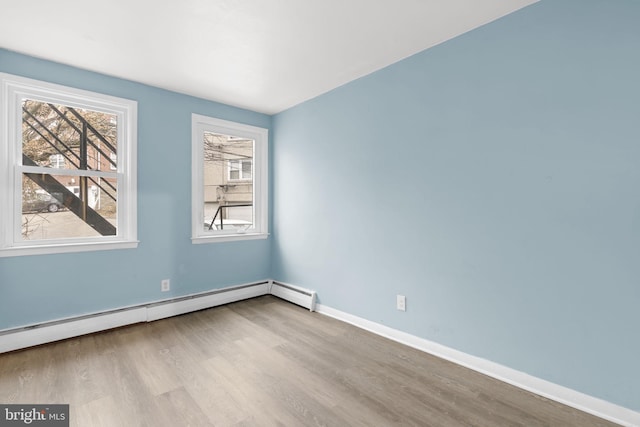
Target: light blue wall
(494, 181)
(40, 288)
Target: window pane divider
(67, 172)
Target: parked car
(41, 202)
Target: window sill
(65, 248)
(228, 238)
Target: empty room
(336, 213)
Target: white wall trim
(589, 404)
(59, 329)
(62, 329)
(197, 302)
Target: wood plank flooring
(264, 362)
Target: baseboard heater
(294, 294)
(28, 336)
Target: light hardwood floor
(263, 362)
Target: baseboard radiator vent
(42, 333)
(294, 294)
(210, 299)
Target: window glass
(87, 203)
(228, 189)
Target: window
(113, 161)
(56, 161)
(57, 197)
(240, 170)
(229, 172)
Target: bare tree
(49, 129)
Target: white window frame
(56, 161)
(13, 89)
(114, 159)
(201, 124)
(241, 176)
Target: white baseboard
(62, 329)
(589, 404)
(31, 335)
(197, 302)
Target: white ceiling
(264, 55)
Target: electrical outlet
(401, 302)
(165, 285)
